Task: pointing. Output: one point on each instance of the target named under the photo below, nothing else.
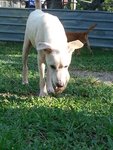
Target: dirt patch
(106, 77)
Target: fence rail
(13, 21)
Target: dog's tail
(91, 28)
(38, 4)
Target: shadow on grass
(11, 75)
(36, 125)
(101, 60)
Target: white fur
(44, 27)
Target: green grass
(101, 60)
(81, 118)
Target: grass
(81, 118)
(100, 61)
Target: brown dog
(82, 36)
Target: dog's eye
(53, 67)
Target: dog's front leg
(26, 48)
(41, 65)
(50, 88)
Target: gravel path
(106, 77)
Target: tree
(106, 5)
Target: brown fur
(82, 36)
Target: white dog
(46, 33)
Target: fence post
(38, 4)
(74, 4)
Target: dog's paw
(50, 90)
(43, 94)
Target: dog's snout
(59, 85)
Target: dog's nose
(59, 85)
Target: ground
(106, 77)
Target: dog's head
(58, 62)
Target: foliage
(107, 5)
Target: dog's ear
(44, 46)
(74, 45)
